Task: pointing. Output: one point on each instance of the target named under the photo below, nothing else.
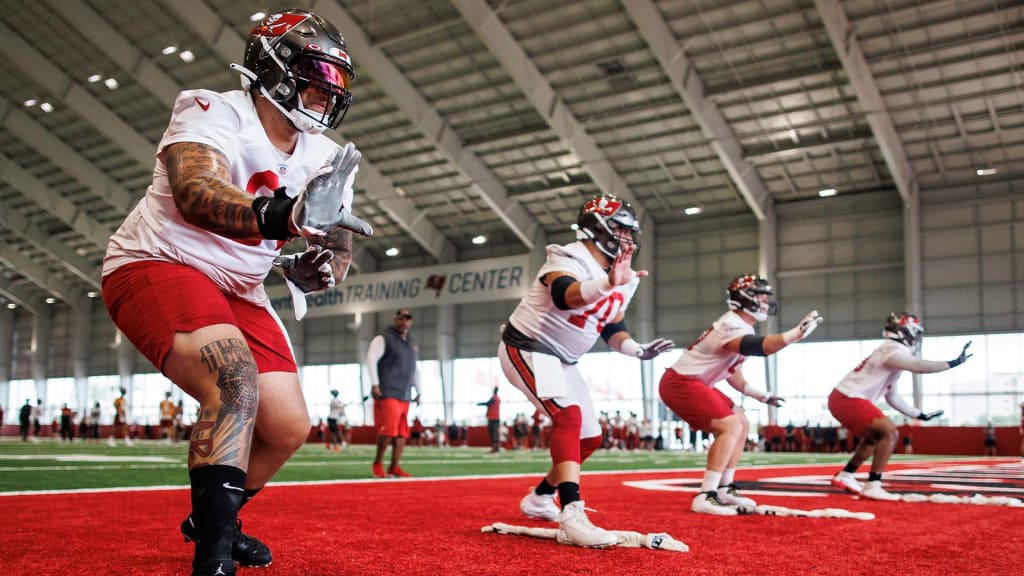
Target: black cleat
(215, 568)
(248, 551)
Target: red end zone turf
(432, 527)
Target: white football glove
(310, 271)
(804, 328)
(319, 207)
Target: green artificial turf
(51, 465)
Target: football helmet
(601, 217)
(903, 328)
(291, 50)
(743, 294)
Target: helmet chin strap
(301, 121)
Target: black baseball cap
(403, 313)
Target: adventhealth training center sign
(473, 281)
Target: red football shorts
(150, 301)
(855, 414)
(693, 400)
(391, 417)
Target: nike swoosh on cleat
(203, 103)
(230, 487)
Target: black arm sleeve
(752, 345)
(558, 289)
(612, 328)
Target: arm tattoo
(200, 180)
(223, 434)
(339, 241)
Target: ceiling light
(46, 107)
(693, 210)
(481, 239)
(169, 50)
(11, 305)
(391, 252)
(257, 16)
(95, 78)
(187, 56)
(111, 83)
(30, 102)
(51, 300)
(92, 294)
(985, 171)
(827, 192)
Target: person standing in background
(334, 418)
(37, 419)
(493, 419)
(120, 420)
(391, 362)
(25, 420)
(167, 411)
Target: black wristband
(273, 216)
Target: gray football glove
(310, 270)
(654, 347)
(319, 208)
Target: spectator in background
(37, 419)
(334, 417)
(94, 422)
(25, 419)
(67, 431)
(120, 420)
(990, 439)
(416, 432)
(790, 444)
(852, 402)
(167, 411)
(493, 419)
(906, 432)
(391, 362)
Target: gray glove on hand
(926, 416)
(774, 401)
(654, 347)
(804, 328)
(319, 207)
(310, 270)
(962, 357)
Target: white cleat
(729, 495)
(540, 506)
(709, 503)
(575, 529)
(873, 491)
(846, 481)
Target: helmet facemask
(752, 294)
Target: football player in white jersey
(852, 402)
(336, 416)
(581, 292)
(238, 174)
(688, 387)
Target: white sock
(727, 476)
(711, 481)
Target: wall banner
(473, 281)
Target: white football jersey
(570, 333)
(706, 359)
(226, 121)
(337, 409)
(876, 375)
